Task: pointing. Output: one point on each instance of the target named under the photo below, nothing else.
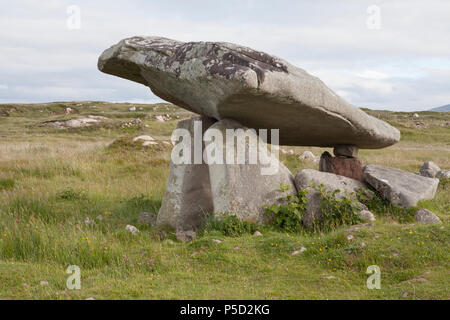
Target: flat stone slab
(225, 80)
(402, 188)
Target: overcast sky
(400, 61)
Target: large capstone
(402, 188)
(188, 198)
(245, 173)
(225, 80)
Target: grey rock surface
(242, 189)
(225, 80)
(366, 215)
(186, 236)
(402, 188)
(346, 150)
(429, 169)
(308, 178)
(443, 174)
(188, 197)
(425, 216)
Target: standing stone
(401, 188)
(188, 190)
(343, 166)
(243, 188)
(308, 178)
(346, 150)
(225, 80)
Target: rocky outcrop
(402, 188)
(225, 80)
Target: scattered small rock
(257, 234)
(350, 237)
(405, 294)
(147, 218)
(429, 169)
(132, 109)
(144, 138)
(89, 221)
(425, 216)
(420, 279)
(358, 226)
(160, 118)
(307, 155)
(131, 228)
(186, 236)
(216, 241)
(43, 283)
(236, 248)
(443, 174)
(366, 215)
(99, 217)
(363, 244)
(415, 115)
(296, 252)
(90, 298)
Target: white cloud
(402, 65)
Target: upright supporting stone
(188, 190)
(343, 166)
(242, 189)
(346, 150)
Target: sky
(391, 55)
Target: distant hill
(445, 108)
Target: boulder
(343, 166)
(225, 80)
(346, 150)
(401, 188)
(443, 174)
(429, 169)
(186, 236)
(308, 178)
(425, 216)
(366, 215)
(188, 197)
(241, 184)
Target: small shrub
(382, 207)
(6, 184)
(287, 216)
(70, 194)
(230, 226)
(337, 211)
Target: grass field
(52, 180)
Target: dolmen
(254, 99)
